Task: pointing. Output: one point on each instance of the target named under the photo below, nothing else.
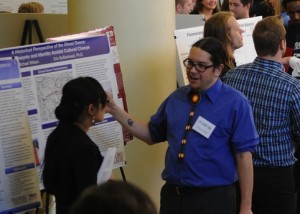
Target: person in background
(292, 7)
(253, 7)
(274, 96)
(31, 7)
(206, 8)
(224, 27)
(266, 8)
(114, 197)
(183, 6)
(72, 159)
(210, 132)
(240, 8)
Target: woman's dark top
(72, 161)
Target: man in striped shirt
(275, 99)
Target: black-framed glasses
(201, 68)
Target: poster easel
(27, 31)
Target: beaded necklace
(194, 97)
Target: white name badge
(204, 127)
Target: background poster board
(50, 6)
(187, 21)
(19, 186)
(185, 38)
(46, 67)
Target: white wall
(144, 33)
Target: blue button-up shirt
(275, 98)
(207, 161)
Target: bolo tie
(194, 97)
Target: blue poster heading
(46, 53)
(9, 69)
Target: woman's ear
(218, 69)
(91, 110)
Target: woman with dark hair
(72, 159)
(206, 8)
(114, 197)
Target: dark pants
(297, 181)
(274, 191)
(212, 200)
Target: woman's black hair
(114, 197)
(214, 47)
(76, 95)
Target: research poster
(185, 38)
(50, 6)
(46, 67)
(19, 185)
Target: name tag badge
(204, 127)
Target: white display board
(185, 38)
(187, 21)
(247, 53)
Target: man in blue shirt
(275, 97)
(210, 132)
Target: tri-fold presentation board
(31, 81)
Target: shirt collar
(273, 65)
(213, 92)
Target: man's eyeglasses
(189, 64)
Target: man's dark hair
(245, 2)
(284, 3)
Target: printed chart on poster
(185, 38)
(19, 185)
(50, 6)
(46, 67)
